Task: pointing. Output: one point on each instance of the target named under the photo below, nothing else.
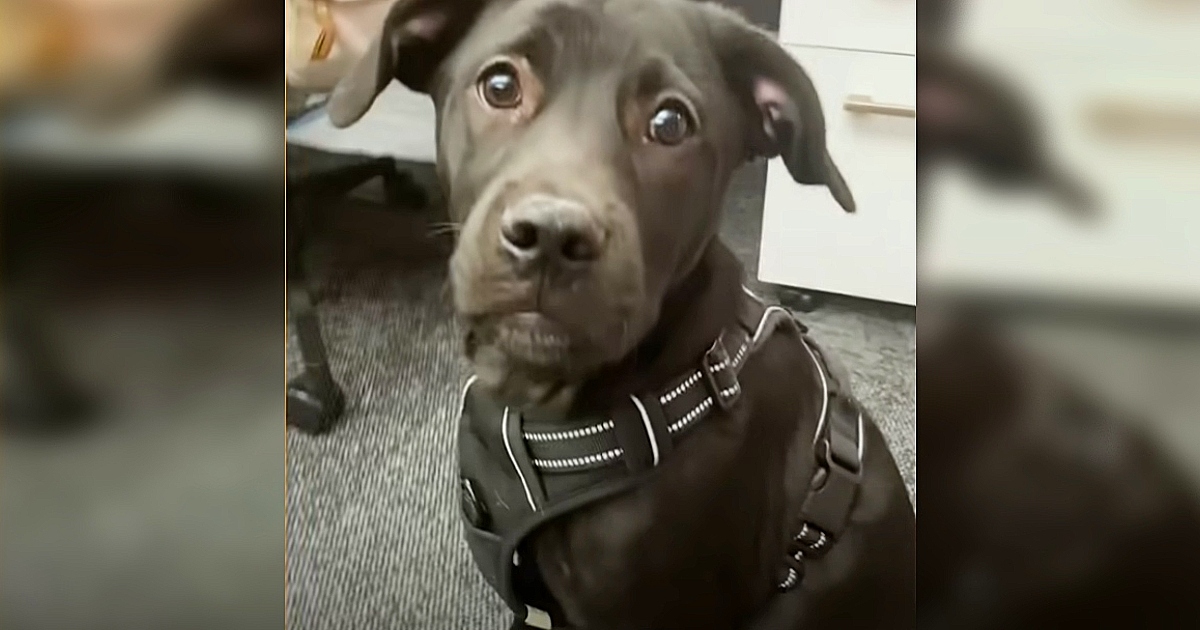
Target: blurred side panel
(1059, 314)
(142, 227)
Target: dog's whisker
(441, 229)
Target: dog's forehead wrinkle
(589, 27)
(558, 23)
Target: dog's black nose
(552, 230)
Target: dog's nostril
(579, 248)
(521, 234)
(552, 231)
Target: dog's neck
(695, 311)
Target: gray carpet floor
(373, 532)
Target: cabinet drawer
(807, 240)
(872, 25)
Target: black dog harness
(520, 470)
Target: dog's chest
(626, 560)
(686, 529)
(695, 547)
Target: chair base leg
(315, 402)
(39, 396)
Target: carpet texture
(373, 530)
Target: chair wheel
(799, 300)
(313, 405)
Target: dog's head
(585, 147)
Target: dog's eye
(670, 124)
(500, 87)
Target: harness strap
(643, 432)
(838, 450)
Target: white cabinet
(872, 25)
(860, 55)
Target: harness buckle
(835, 485)
(834, 489)
(720, 375)
(842, 448)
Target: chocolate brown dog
(585, 147)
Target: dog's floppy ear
(416, 37)
(974, 116)
(783, 108)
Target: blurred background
(1059, 343)
(142, 227)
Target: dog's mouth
(532, 338)
(528, 340)
(525, 358)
